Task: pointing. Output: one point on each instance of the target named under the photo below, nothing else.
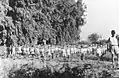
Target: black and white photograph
(59, 38)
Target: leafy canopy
(53, 20)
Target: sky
(102, 17)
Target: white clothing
(83, 50)
(32, 50)
(19, 50)
(27, 49)
(72, 50)
(49, 53)
(114, 45)
(64, 52)
(13, 50)
(37, 50)
(115, 49)
(76, 50)
(68, 51)
(99, 51)
(113, 41)
(44, 41)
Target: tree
(93, 37)
(43, 19)
(85, 42)
(103, 41)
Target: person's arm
(117, 37)
(108, 44)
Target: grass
(76, 68)
(22, 68)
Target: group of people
(48, 51)
(54, 52)
(67, 50)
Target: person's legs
(117, 55)
(117, 62)
(113, 56)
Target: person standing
(44, 42)
(113, 47)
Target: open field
(75, 68)
(28, 66)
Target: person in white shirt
(13, 50)
(113, 46)
(99, 51)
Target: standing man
(44, 42)
(113, 46)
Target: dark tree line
(57, 21)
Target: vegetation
(93, 38)
(85, 71)
(29, 21)
(103, 41)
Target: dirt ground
(8, 65)
(18, 66)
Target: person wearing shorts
(113, 46)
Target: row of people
(52, 51)
(38, 50)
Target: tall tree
(45, 19)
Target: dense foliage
(86, 71)
(29, 21)
(94, 37)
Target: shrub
(91, 57)
(106, 57)
(75, 72)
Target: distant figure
(99, 52)
(113, 46)
(82, 54)
(44, 42)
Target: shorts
(115, 50)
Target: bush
(106, 57)
(105, 74)
(67, 72)
(91, 57)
